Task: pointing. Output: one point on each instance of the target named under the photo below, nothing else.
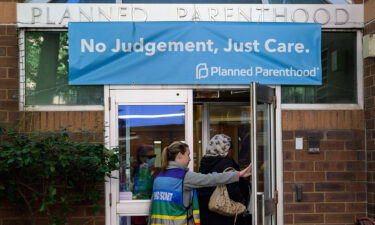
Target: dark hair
(169, 153)
(142, 150)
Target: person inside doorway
(216, 159)
(143, 178)
(143, 172)
(174, 199)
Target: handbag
(221, 203)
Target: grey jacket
(195, 180)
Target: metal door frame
(263, 94)
(114, 206)
(278, 125)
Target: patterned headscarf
(219, 145)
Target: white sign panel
(59, 15)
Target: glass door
(263, 154)
(223, 112)
(251, 129)
(142, 124)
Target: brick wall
(369, 83)
(8, 71)
(334, 180)
(9, 113)
(370, 131)
(369, 6)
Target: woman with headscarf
(216, 160)
(174, 199)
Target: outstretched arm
(197, 180)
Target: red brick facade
(8, 72)
(370, 134)
(338, 184)
(369, 82)
(334, 180)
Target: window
(339, 68)
(199, 1)
(144, 130)
(196, 2)
(299, 1)
(46, 73)
(70, 1)
(82, 1)
(235, 1)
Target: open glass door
(142, 123)
(251, 128)
(263, 154)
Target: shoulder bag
(222, 204)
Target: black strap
(188, 217)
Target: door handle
(276, 198)
(261, 194)
(268, 205)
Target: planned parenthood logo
(202, 71)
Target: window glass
(70, 1)
(200, 1)
(233, 120)
(144, 130)
(47, 73)
(82, 1)
(339, 80)
(299, 1)
(132, 220)
(195, 2)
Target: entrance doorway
(222, 112)
(143, 122)
(247, 117)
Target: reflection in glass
(197, 135)
(47, 73)
(70, 1)
(200, 2)
(195, 2)
(144, 130)
(300, 1)
(233, 120)
(264, 149)
(224, 111)
(339, 70)
(132, 220)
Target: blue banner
(194, 53)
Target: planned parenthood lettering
(194, 53)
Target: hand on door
(247, 171)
